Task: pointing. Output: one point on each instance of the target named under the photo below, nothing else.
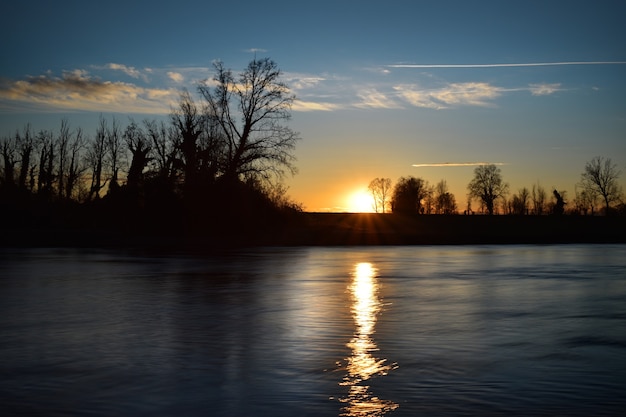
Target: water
(397, 331)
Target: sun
(360, 202)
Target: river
(513, 330)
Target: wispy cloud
(77, 90)
(457, 164)
(503, 65)
(544, 89)
(372, 98)
(454, 94)
(177, 77)
(130, 71)
(306, 106)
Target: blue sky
(382, 86)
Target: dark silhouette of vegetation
(409, 195)
(212, 172)
(487, 186)
(599, 179)
(380, 188)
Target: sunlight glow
(360, 202)
(362, 365)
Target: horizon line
(502, 65)
(457, 164)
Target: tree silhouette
(380, 188)
(487, 186)
(408, 195)
(250, 111)
(445, 203)
(600, 178)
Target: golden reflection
(362, 365)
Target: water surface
(398, 331)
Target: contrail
(457, 164)
(527, 64)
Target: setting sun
(360, 202)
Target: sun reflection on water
(362, 365)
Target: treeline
(597, 193)
(214, 166)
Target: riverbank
(392, 229)
(339, 229)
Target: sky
(384, 89)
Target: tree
(520, 202)
(250, 112)
(408, 195)
(114, 154)
(558, 206)
(538, 196)
(96, 158)
(380, 189)
(600, 178)
(445, 202)
(487, 186)
(139, 147)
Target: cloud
(454, 94)
(372, 98)
(457, 164)
(177, 77)
(130, 71)
(304, 106)
(523, 64)
(544, 89)
(77, 90)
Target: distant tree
(586, 201)
(189, 123)
(47, 155)
(380, 188)
(538, 196)
(26, 145)
(408, 195)
(75, 164)
(487, 186)
(445, 202)
(139, 147)
(96, 158)
(558, 206)
(9, 161)
(114, 154)
(164, 148)
(600, 178)
(519, 202)
(250, 111)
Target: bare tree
(445, 202)
(487, 186)
(46, 177)
(96, 159)
(250, 112)
(520, 201)
(26, 145)
(114, 154)
(380, 188)
(163, 146)
(600, 178)
(9, 161)
(75, 165)
(140, 148)
(63, 142)
(189, 123)
(538, 196)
